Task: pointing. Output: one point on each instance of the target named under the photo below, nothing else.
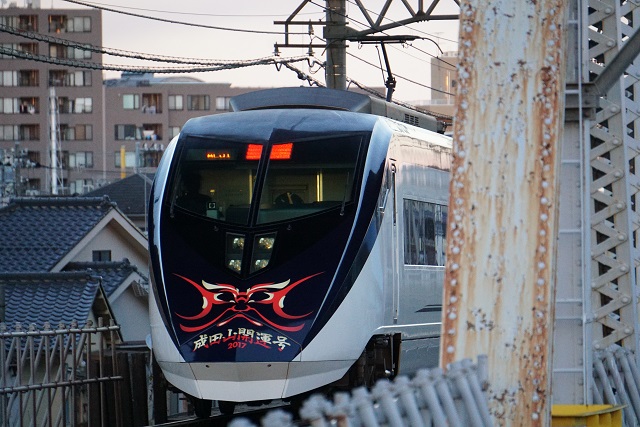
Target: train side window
(424, 233)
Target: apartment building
(103, 130)
(444, 76)
(26, 90)
(144, 112)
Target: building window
(28, 78)
(101, 256)
(22, 22)
(57, 23)
(28, 105)
(80, 186)
(152, 132)
(74, 24)
(79, 24)
(198, 102)
(81, 159)
(29, 132)
(19, 78)
(124, 132)
(151, 157)
(9, 78)
(19, 132)
(57, 50)
(31, 48)
(74, 106)
(131, 101)
(129, 159)
(32, 187)
(76, 132)
(152, 103)
(69, 78)
(33, 159)
(28, 22)
(9, 106)
(175, 102)
(222, 103)
(424, 233)
(8, 132)
(83, 105)
(173, 131)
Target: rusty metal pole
(503, 212)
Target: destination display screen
(251, 152)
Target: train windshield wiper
(346, 190)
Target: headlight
(262, 248)
(235, 265)
(234, 252)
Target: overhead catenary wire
(198, 65)
(141, 69)
(173, 12)
(110, 51)
(168, 59)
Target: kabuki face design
(260, 305)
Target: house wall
(121, 245)
(132, 313)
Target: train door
(395, 244)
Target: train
(297, 243)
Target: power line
(140, 69)
(401, 77)
(303, 76)
(171, 21)
(222, 15)
(109, 51)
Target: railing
(617, 382)
(430, 398)
(58, 376)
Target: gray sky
(161, 38)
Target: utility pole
(334, 34)
(53, 120)
(17, 163)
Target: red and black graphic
(260, 305)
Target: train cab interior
(221, 182)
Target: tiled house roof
(43, 240)
(36, 233)
(130, 194)
(51, 297)
(112, 273)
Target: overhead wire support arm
(390, 83)
(375, 25)
(336, 32)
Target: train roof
(332, 99)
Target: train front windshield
(248, 183)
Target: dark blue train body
(277, 238)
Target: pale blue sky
(143, 35)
